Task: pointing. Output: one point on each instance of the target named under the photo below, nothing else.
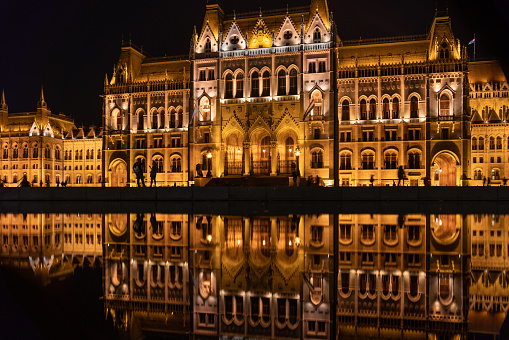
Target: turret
(4, 110)
(42, 110)
(322, 8)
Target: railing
(286, 167)
(385, 40)
(261, 167)
(233, 168)
(291, 97)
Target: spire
(42, 103)
(106, 79)
(3, 104)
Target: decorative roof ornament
(3, 104)
(42, 103)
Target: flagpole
(474, 46)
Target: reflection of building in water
(387, 285)
(146, 275)
(52, 245)
(489, 291)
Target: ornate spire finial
(42, 102)
(3, 104)
(42, 94)
(260, 11)
(286, 9)
(234, 16)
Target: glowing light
(290, 243)
(209, 238)
(263, 242)
(238, 242)
(209, 154)
(297, 151)
(297, 241)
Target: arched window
(264, 148)
(173, 118)
(445, 103)
(154, 119)
(98, 153)
(395, 108)
(35, 153)
(317, 98)
(47, 152)
(180, 114)
(474, 143)
(391, 159)
(345, 111)
(176, 164)
(140, 117)
(67, 179)
(492, 143)
(478, 174)
(293, 82)
(57, 153)
(414, 107)
(228, 93)
(345, 161)
(495, 174)
(239, 92)
(317, 159)
(499, 143)
(208, 46)
(385, 108)
(255, 84)
(372, 109)
(119, 120)
(289, 148)
(368, 160)
(205, 109)
(281, 83)
(78, 179)
(444, 51)
(15, 151)
(159, 164)
(317, 35)
(81, 154)
(266, 84)
(414, 160)
(90, 179)
(481, 143)
(25, 151)
(363, 109)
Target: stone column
(273, 158)
(247, 158)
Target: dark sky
(68, 46)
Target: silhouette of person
(153, 173)
(24, 182)
(138, 225)
(401, 175)
(371, 180)
(138, 170)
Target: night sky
(68, 46)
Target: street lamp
(297, 154)
(209, 163)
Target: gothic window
(499, 143)
(78, 179)
(266, 84)
(173, 116)
(477, 174)
(176, 164)
(154, 119)
(368, 160)
(90, 179)
(98, 153)
(255, 84)
(293, 82)
(445, 105)
(204, 109)
(15, 151)
(321, 66)
(492, 143)
(317, 35)
(345, 161)
(444, 51)
(317, 159)
(264, 148)
(414, 107)
(180, 115)
(289, 148)
(363, 109)
(414, 160)
(35, 153)
(228, 86)
(312, 67)
(391, 160)
(474, 143)
(317, 98)
(234, 40)
(385, 108)
(211, 75)
(119, 121)
(202, 75)
(47, 152)
(57, 153)
(281, 83)
(481, 143)
(159, 164)
(208, 46)
(495, 174)
(372, 109)
(239, 92)
(345, 111)
(395, 108)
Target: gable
(34, 130)
(288, 34)
(48, 131)
(234, 40)
(317, 22)
(206, 34)
(261, 36)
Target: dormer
(234, 40)
(48, 131)
(207, 42)
(288, 34)
(443, 45)
(321, 8)
(34, 130)
(317, 31)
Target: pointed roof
(494, 118)
(42, 102)
(3, 104)
(476, 118)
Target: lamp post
(297, 154)
(209, 163)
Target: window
(492, 143)
(317, 35)
(289, 148)
(281, 83)
(317, 159)
(385, 109)
(345, 110)
(345, 283)
(474, 143)
(372, 109)
(345, 160)
(414, 107)
(499, 143)
(90, 179)
(367, 232)
(255, 84)
(15, 152)
(211, 75)
(445, 105)
(35, 153)
(414, 160)
(140, 120)
(391, 161)
(154, 119)
(205, 109)
(390, 135)
(495, 174)
(321, 66)
(173, 118)
(395, 108)
(345, 232)
(367, 136)
(176, 164)
(368, 161)
(25, 151)
(317, 98)
(78, 179)
(414, 285)
(390, 233)
(6, 153)
(208, 47)
(239, 82)
(287, 35)
(312, 67)
(159, 164)
(228, 86)
(266, 84)
(202, 76)
(363, 109)
(293, 82)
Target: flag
(194, 113)
(195, 282)
(472, 41)
(306, 280)
(309, 109)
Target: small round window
(288, 35)
(234, 40)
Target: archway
(444, 170)
(118, 176)
(234, 154)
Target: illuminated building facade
(48, 148)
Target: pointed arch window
(204, 109)
(228, 86)
(239, 82)
(363, 109)
(289, 148)
(385, 108)
(317, 159)
(395, 108)
(180, 115)
(474, 143)
(281, 83)
(345, 161)
(208, 46)
(481, 143)
(414, 160)
(391, 159)
(266, 84)
(173, 117)
(345, 111)
(119, 120)
(264, 148)
(255, 84)
(154, 119)
(293, 82)
(445, 105)
(317, 98)
(414, 107)
(317, 35)
(372, 109)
